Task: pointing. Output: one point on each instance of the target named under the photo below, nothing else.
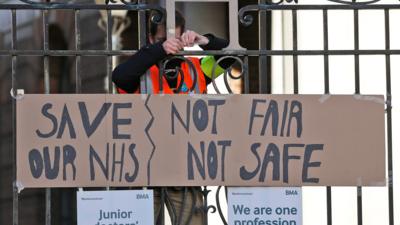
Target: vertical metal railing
(46, 70)
(109, 49)
(262, 61)
(295, 56)
(357, 91)
(389, 117)
(327, 91)
(78, 57)
(246, 75)
(14, 89)
(142, 32)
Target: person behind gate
(126, 76)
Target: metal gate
(263, 55)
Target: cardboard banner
(193, 140)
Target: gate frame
(263, 53)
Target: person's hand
(172, 45)
(190, 38)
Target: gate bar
(14, 88)
(262, 61)
(327, 91)
(109, 48)
(357, 91)
(209, 52)
(389, 117)
(295, 56)
(246, 74)
(140, 7)
(142, 38)
(45, 14)
(78, 80)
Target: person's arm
(126, 75)
(216, 43)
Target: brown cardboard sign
(194, 140)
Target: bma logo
(291, 192)
(142, 196)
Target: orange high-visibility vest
(153, 82)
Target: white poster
(130, 207)
(264, 206)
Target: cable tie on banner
(371, 98)
(80, 189)
(324, 98)
(388, 105)
(18, 95)
(193, 94)
(19, 186)
(359, 182)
